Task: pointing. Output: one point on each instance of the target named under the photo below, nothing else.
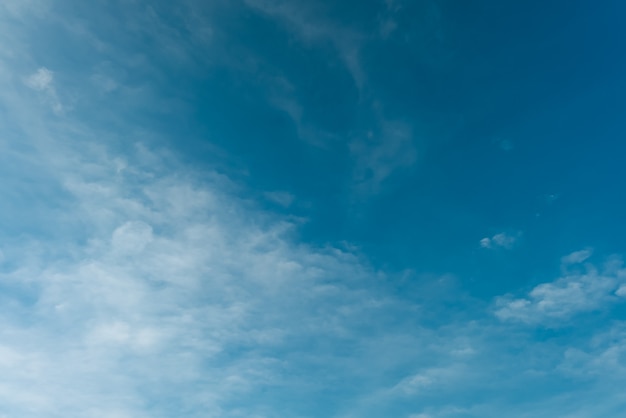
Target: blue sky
(265, 208)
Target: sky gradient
(306, 208)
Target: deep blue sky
(267, 208)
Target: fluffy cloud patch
(150, 277)
(171, 279)
(556, 302)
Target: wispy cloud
(309, 26)
(284, 199)
(379, 155)
(389, 144)
(602, 356)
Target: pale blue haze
(306, 208)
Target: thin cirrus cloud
(284, 199)
(376, 156)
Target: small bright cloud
(501, 240)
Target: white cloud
(427, 379)
(155, 290)
(556, 302)
(152, 288)
(156, 279)
(171, 275)
(22, 8)
(576, 257)
(603, 356)
(414, 383)
(42, 81)
(500, 240)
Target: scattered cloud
(159, 291)
(500, 240)
(390, 144)
(426, 379)
(603, 356)
(556, 302)
(576, 257)
(42, 81)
